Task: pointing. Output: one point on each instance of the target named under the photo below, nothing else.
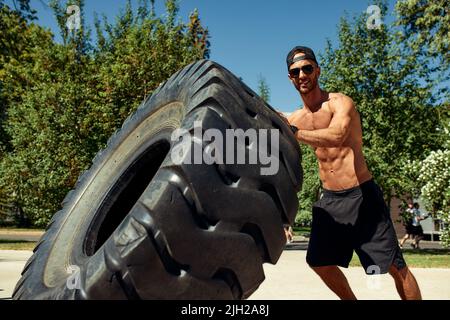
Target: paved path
(14, 235)
(292, 279)
(11, 265)
(289, 279)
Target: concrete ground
(20, 235)
(289, 279)
(292, 279)
(11, 265)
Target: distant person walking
(413, 228)
(288, 233)
(407, 223)
(416, 228)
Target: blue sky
(250, 37)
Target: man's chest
(313, 120)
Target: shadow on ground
(297, 245)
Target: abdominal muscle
(342, 168)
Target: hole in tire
(124, 194)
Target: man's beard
(309, 87)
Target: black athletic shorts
(354, 219)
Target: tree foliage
(21, 8)
(15, 39)
(426, 24)
(398, 106)
(426, 28)
(263, 89)
(310, 188)
(64, 100)
(434, 176)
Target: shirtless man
(351, 214)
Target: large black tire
(139, 226)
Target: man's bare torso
(341, 167)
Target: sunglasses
(307, 69)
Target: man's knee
(399, 273)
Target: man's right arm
(337, 131)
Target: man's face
(303, 81)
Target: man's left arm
(338, 129)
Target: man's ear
(291, 79)
(318, 71)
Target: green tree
(434, 176)
(15, 37)
(74, 95)
(397, 106)
(19, 39)
(21, 8)
(138, 54)
(44, 124)
(426, 25)
(430, 179)
(263, 89)
(310, 188)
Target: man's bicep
(344, 110)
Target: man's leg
(335, 279)
(406, 284)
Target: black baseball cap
(308, 54)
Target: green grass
(424, 258)
(301, 231)
(17, 245)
